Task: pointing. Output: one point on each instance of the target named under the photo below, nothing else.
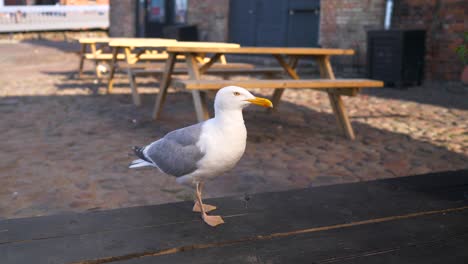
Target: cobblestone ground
(65, 146)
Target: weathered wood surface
(166, 43)
(419, 219)
(126, 40)
(281, 83)
(159, 67)
(213, 70)
(260, 50)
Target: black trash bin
(396, 56)
(181, 32)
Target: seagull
(205, 150)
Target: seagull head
(236, 98)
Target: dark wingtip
(139, 153)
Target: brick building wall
(444, 22)
(122, 16)
(211, 17)
(344, 23)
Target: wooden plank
(81, 62)
(151, 229)
(103, 56)
(260, 50)
(326, 71)
(290, 70)
(140, 42)
(108, 56)
(342, 115)
(210, 63)
(159, 67)
(199, 102)
(213, 70)
(436, 238)
(427, 192)
(94, 40)
(113, 65)
(164, 85)
(104, 40)
(165, 43)
(280, 83)
(133, 87)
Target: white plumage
(199, 152)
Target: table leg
(290, 70)
(130, 57)
(222, 59)
(110, 83)
(200, 105)
(341, 115)
(133, 87)
(336, 102)
(164, 85)
(210, 63)
(82, 57)
(199, 99)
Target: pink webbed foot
(208, 208)
(213, 220)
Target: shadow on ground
(450, 95)
(71, 46)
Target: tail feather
(142, 161)
(139, 153)
(139, 163)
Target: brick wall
(122, 18)
(211, 17)
(344, 23)
(444, 22)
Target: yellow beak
(261, 102)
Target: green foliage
(462, 50)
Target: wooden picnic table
(417, 219)
(148, 49)
(94, 49)
(286, 57)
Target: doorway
(274, 23)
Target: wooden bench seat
(121, 56)
(334, 87)
(213, 70)
(103, 56)
(272, 83)
(148, 68)
(224, 70)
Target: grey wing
(177, 153)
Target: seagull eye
(236, 93)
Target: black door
(242, 22)
(156, 17)
(293, 23)
(303, 23)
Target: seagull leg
(212, 220)
(196, 207)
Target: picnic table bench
(225, 70)
(417, 219)
(288, 60)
